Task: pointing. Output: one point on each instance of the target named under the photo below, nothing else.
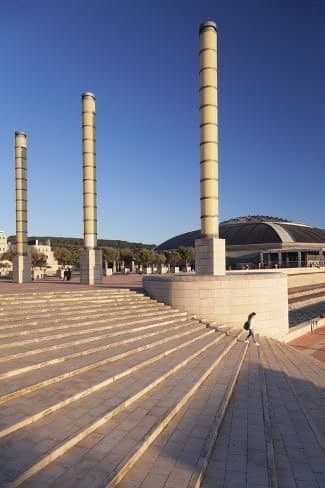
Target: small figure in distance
(65, 274)
(249, 325)
(68, 274)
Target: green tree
(8, 255)
(174, 258)
(63, 255)
(75, 256)
(38, 259)
(146, 256)
(187, 254)
(161, 258)
(110, 254)
(126, 255)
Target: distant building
(3, 243)
(263, 242)
(42, 248)
(46, 249)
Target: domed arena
(263, 242)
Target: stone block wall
(227, 300)
(91, 271)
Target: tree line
(38, 259)
(183, 256)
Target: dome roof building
(263, 241)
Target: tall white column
(91, 258)
(209, 249)
(262, 258)
(22, 261)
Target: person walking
(68, 274)
(65, 274)
(249, 325)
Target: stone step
(146, 326)
(65, 297)
(243, 453)
(80, 407)
(30, 327)
(58, 302)
(145, 317)
(28, 295)
(11, 387)
(93, 354)
(140, 357)
(67, 301)
(178, 457)
(42, 308)
(36, 359)
(299, 453)
(93, 315)
(302, 316)
(293, 292)
(50, 351)
(300, 302)
(94, 413)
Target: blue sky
(141, 60)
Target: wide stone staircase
(303, 296)
(107, 387)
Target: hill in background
(77, 242)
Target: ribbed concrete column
(262, 258)
(22, 262)
(210, 251)
(21, 193)
(299, 259)
(91, 258)
(209, 129)
(89, 169)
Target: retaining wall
(227, 300)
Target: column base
(22, 269)
(91, 268)
(210, 256)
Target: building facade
(42, 248)
(3, 243)
(263, 242)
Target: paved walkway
(272, 435)
(132, 281)
(312, 344)
(239, 458)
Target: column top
(20, 133)
(88, 94)
(210, 24)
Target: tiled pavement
(312, 344)
(137, 395)
(295, 401)
(131, 280)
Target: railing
(313, 325)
